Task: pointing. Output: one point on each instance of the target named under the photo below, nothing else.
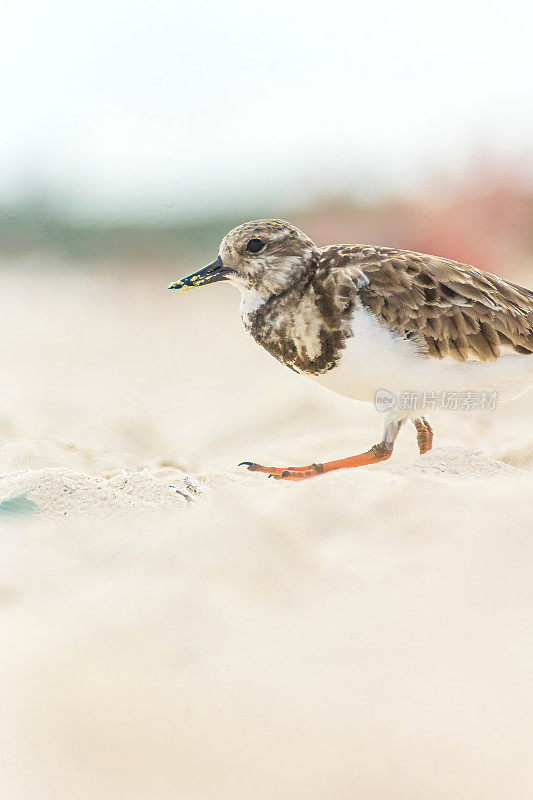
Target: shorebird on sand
(368, 321)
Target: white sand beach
(173, 626)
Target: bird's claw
(284, 473)
(251, 466)
(271, 472)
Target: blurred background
(143, 132)
(174, 627)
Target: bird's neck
(251, 300)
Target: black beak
(211, 274)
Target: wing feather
(452, 309)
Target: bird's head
(265, 256)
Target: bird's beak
(211, 274)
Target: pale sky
(159, 107)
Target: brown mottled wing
(452, 309)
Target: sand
(175, 627)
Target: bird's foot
(380, 452)
(285, 473)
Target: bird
(375, 323)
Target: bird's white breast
(374, 358)
(377, 358)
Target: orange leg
(380, 452)
(424, 434)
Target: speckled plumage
(306, 326)
(453, 309)
(449, 309)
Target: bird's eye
(255, 245)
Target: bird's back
(453, 309)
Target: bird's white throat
(250, 302)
